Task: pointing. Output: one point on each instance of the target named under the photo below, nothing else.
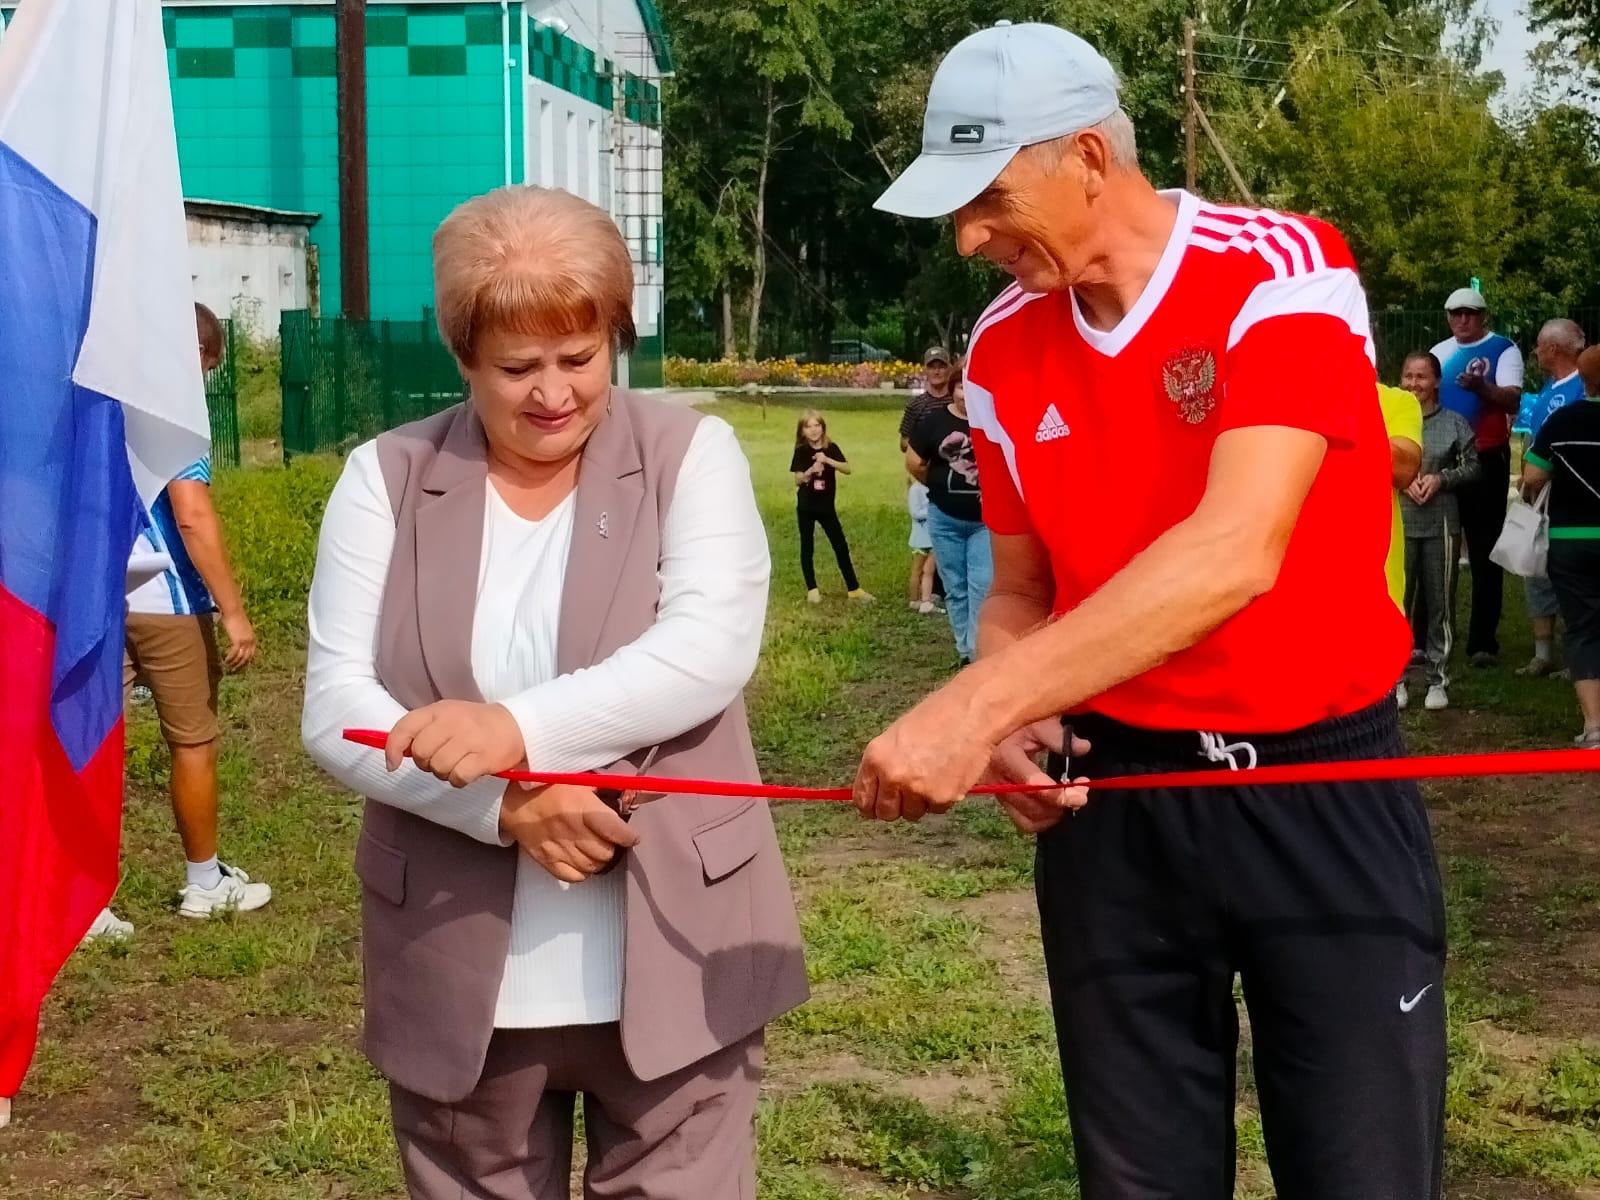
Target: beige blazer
(712, 946)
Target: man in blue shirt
(1560, 342)
(1483, 382)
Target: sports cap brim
(935, 185)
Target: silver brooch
(601, 525)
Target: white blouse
(564, 966)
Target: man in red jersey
(1189, 533)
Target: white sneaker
(1402, 694)
(813, 597)
(1437, 698)
(109, 926)
(234, 894)
(926, 607)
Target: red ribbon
(1438, 766)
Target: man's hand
(1016, 760)
(458, 741)
(566, 830)
(1473, 382)
(241, 640)
(924, 762)
(1424, 488)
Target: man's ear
(1093, 160)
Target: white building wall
(250, 272)
(585, 149)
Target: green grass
(219, 1060)
(257, 364)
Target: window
(571, 182)
(547, 138)
(594, 161)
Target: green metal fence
(347, 381)
(222, 403)
(1398, 332)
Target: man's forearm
(1007, 617)
(1166, 600)
(1507, 399)
(202, 538)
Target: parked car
(848, 350)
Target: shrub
(787, 373)
(270, 517)
(256, 366)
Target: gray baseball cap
(999, 90)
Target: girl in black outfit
(816, 464)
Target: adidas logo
(1051, 426)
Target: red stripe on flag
(59, 835)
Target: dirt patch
(49, 1147)
(1512, 1045)
(854, 1182)
(840, 854)
(1013, 918)
(936, 1090)
(287, 1033)
(1515, 1189)
(1540, 842)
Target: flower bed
(787, 373)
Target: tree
(786, 121)
(1574, 30)
(778, 53)
(1405, 159)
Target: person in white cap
(1483, 382)
(1224, 603)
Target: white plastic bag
(1524, 544)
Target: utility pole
(350, 41)
(1189, 106)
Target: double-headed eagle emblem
(1190, 377)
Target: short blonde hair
(531, 260)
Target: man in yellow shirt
(1402, 419)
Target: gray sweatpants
(1431, 567)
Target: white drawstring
(1215, 748)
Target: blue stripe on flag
(68, 509)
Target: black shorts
(1575, 575)
(1323, 900)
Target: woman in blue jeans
(940, 454)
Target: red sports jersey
(1098, 442)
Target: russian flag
(101, 402)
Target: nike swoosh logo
(1407, 1005)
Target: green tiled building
(462, 97)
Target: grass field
(218, 1059)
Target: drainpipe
(522, 85)
(505, 81)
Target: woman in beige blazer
(566, 576)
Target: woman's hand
(567, 830)
(458, 741)
(1424, 488)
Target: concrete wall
(249, 270)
